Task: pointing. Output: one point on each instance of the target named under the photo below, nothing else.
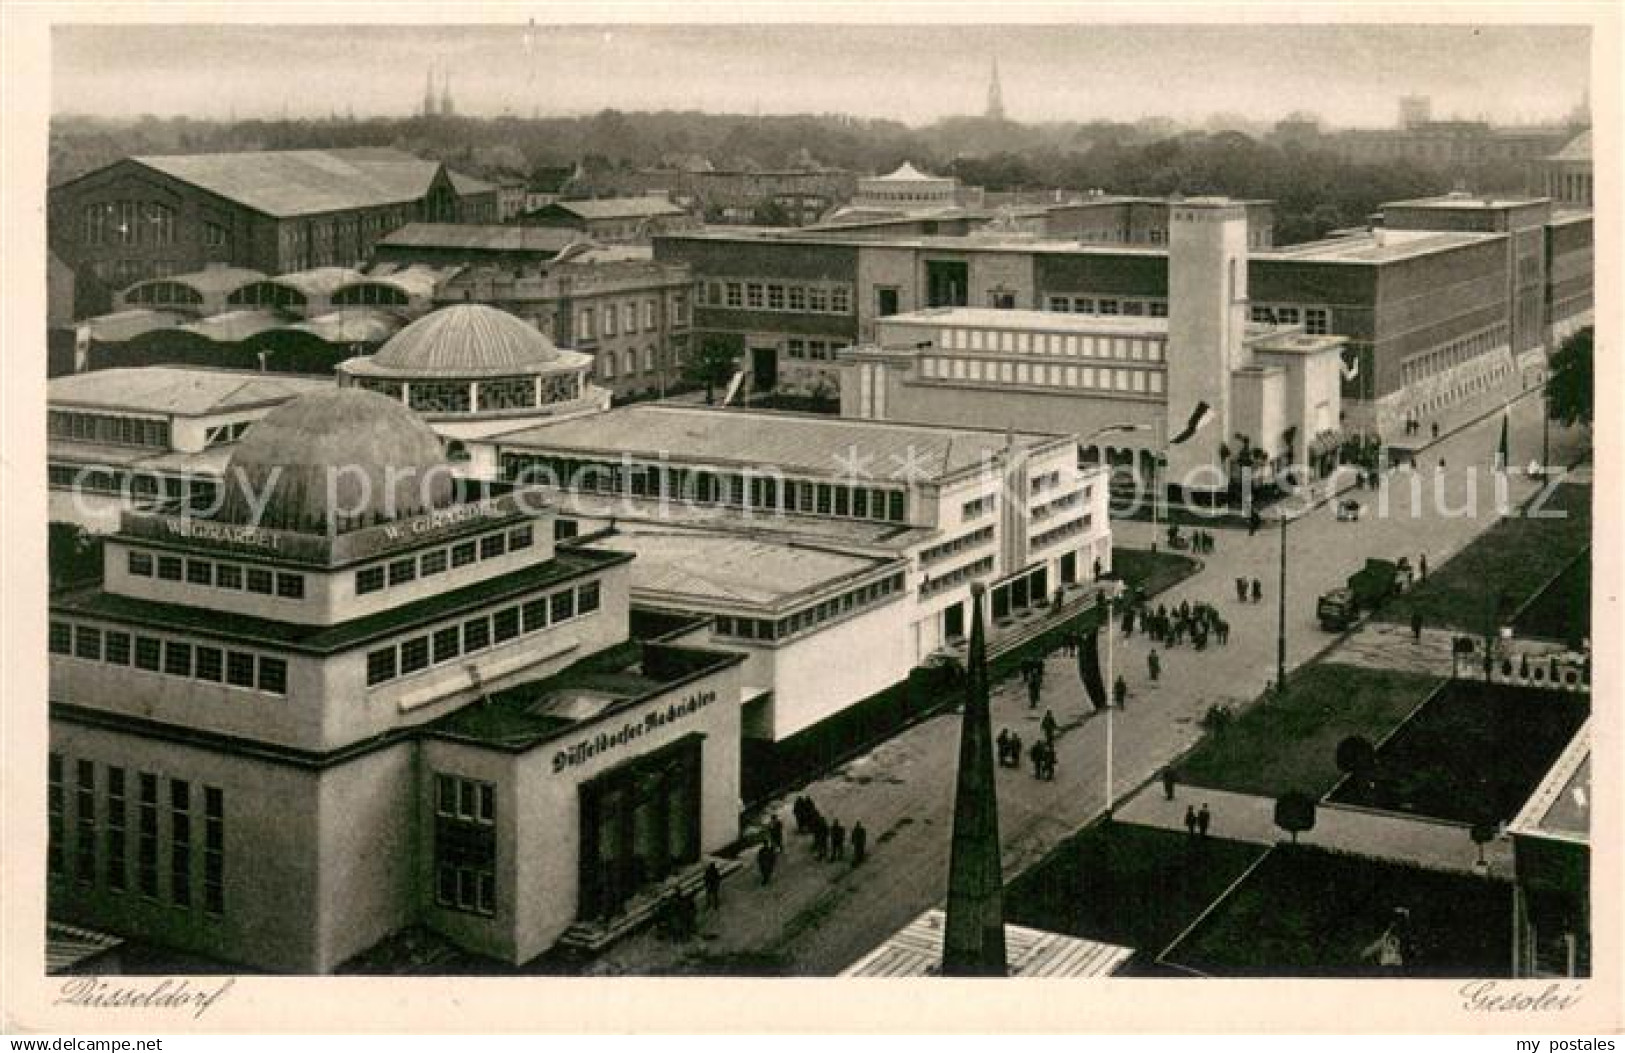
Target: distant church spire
(995, 96)
(428, 94)
(446, 107)
(973, 937)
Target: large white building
(365, 693)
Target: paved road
(816, 918)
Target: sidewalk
(1384, 645)
(1243, 817)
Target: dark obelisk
(973, 943)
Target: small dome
(336, 460)
(466, 340)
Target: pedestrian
(1049, 763)
(1422, 566)
(713, 886)
(1436, 435)
(1120, 692)
(1258, 591)
(1036, 755)
(1097, 569)
(799, 810)
(1241, 589)
(1190, 819)
(775, 833)
(1033, 692)
(1203, 819)
(1128, 622)
(1254, 521)
(820, 832)
(1169, 781)
(767, 857)
(860, 843)
(1222, 627)
(837, 840)
(1416, 625)
(1015, 750)
(1049, 725)
(1004, 747)
(1153, 665)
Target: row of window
(1442, 398)
(1060, 504)
(128, 223)
(706, 486)
(811, 617)
(629, 362)
(1429, 363)
(1044, 481)
(214, 574)
(120, 274)
(465, 849)
(1137, 381)
(978, 507)
(460, 396)
(130, 484)
(427, 564)
(813, 298)
(162, 293)
(171, 657)
(1108, 306)
(1316, 321)
(1060, 533)
(952, 547)
(109, 838)
(958, 576)
(224, 434)
(587, 317)
(447, 643)
(1070, 345)
(813, 350)
(107, 428)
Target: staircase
(587, 938)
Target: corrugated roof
(620, 207)
(485, 237)
(877, 451)
(320, 281)
(127, 325)
(302, 182)
(916, 951)
(727, 568)
(353, 325)
(467, 340)
(186, 392)
(209, 280)
(234, 326)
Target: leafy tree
(1482, 833)
(75, 555)
(712, 363)
(1356, 757)
(1569, 390)
(1295, 813)
(769, 213)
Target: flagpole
(1111, 699)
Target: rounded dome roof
(333, 461)
(466, 340)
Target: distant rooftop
(1560, 807)
(998, 318)
(893, 452)
(619, 207)
(916, 951)
(1462, 200)
(184, 391)
(1577, 149)
(1374, 246)
(484, 237)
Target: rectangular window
(228, 576)
(180, 843)
(414, 655)
(775, 297)
(629, 315)
(448, 644)
(369, 579)
(87, 642)
(463, 553)
(493, 545)
(273, 676)
(476, 635)
(402, 571)
(169, 568)
(117, 851)
(380, 666)
(214, 850)
(1316, 321)
(290, 586)
(587, 598)
(61, 638)
(147, 653)
(141, 564)
(260, 581)
(520, 537)
(118, 648)
(753, 295)
(239, 669)
(563, 605)
(147, 835)
(840, 299)
(505, 624)
(609, 321)
(736, 294)
(433, 563)
(465, 844)
(84, 806)
(210, 664)
(534, 615)
(199, 572)
(177, 658)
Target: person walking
(860, 843)
(1034, 691)
(1004, 747)
(713, 886)
(1241, 589)
(775, 833)
(1169, 781)
(1258, 591)
(1422, 566)
(1222, 628)
(1153, 665)
(799, 811)
(837, 840)
(820, 832)
(1049, 762)
(1254, 521)
(1120, 692)
(767, 857)
(1416, 626)
(1050, 726)
(1204, 819)
(1190, 819)
(1436, 430)
(1036, 755)
(1015, 750)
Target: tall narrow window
(214, 850)
(147, 836)
(117, 849)
(180, 842)
(84, 807)
(55, 803)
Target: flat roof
(182, 391)
(1560, 807)
(729, 568)
(981, 241)
(617, 207)
(1366, 247)
(853, 535)
(916, 950)
(996, 318)
(483, 237)
(1476, 202)
(880, 451)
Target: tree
(1356, 757)
(1482, 833)
(713, 363)
(75, 555)
(769, 213)
(1569, 388)
(1295, 813)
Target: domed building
(471, 370)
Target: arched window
(168, 293)
(369, 294)
(266, 294)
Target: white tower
(1207, 319)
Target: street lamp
(1280, 615)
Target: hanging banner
(1089, 669)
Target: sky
(1350, 75)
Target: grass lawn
(1309, 912)
(1277, 745)
(1475, 751)
(1562, 611)
(1516, 556)
(1151, 571)
(1134, 886)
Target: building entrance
(639, 823)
